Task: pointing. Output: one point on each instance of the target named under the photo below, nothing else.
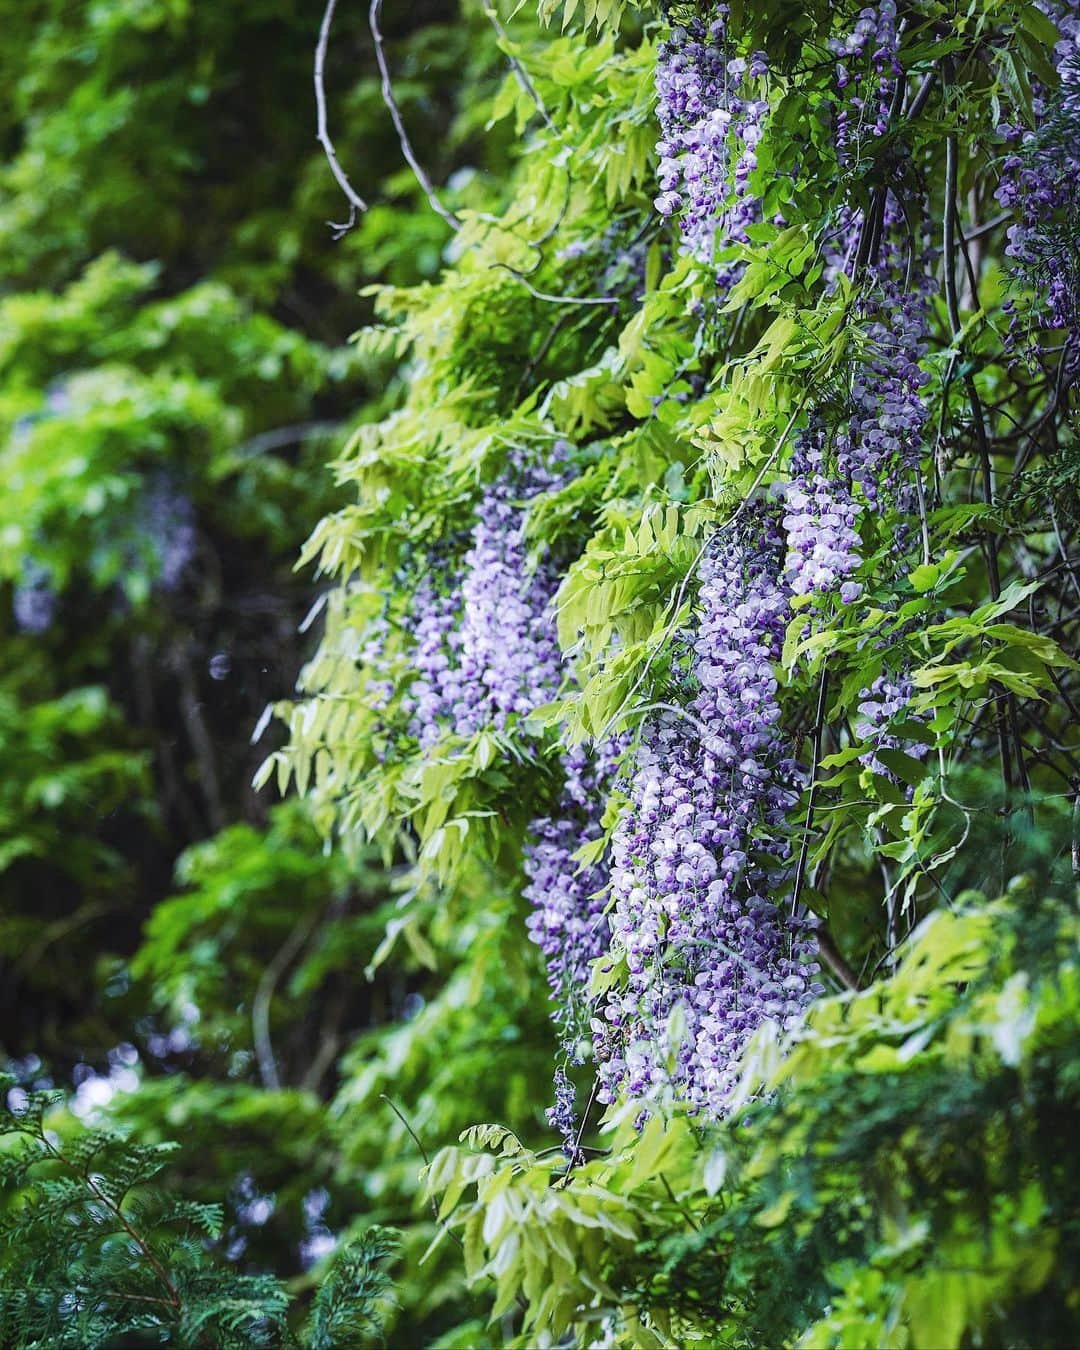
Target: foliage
(789, 320)
(172, 374)
(347, 1309)
(898, 1174)
(96, 1252)
(696, 598)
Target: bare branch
(356, 202)
(202, 743)
(1076, 839)
(280, 437)
(819, 734)
(520, 73)
(442, 1223)
(556, 299)
(830, 954)
(264, 994)
(374, 14)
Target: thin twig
(556, 299)
(987, 227)
(415, 1137)
(264, 993)
(832, 957)
(581, 1128)
(374, 14)
(280, 437)
(804, 847)
(140, 1298)
(965, 254)
(1076, 839)
(542, 351)
(520, 73)
(427, 1163)
(1065, 559)
(530, 90)
(924, 529)
(921, 95)
(1032, 432)
(979, 425)
(322, 134)
(682, 1210)
(978, 422)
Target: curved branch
(280, 437)
(831, 955)
(322, 134)
(441, 1223)
(264, 993)
(374, 14)
(811, 800)
(555, 299)
(520, 73)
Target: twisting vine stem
(374, 17)
(356, 202)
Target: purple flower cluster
(436, 641)
(1040, 181)
(167, 517)
(510, 661)
(885, 431)
(707, 953)
(820, 518)
(839, 245)
(484, 651)
(712, 111)
(568, 922)
(563, 1116)
(485, 645)
(864, 110)
(33, 602)
(869, 459)
(879, 707)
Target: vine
(704, 592)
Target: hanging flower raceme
(870, 460)
(712, 108)
(865, 95)
(1040, 181)
(881, 706)
(436, 640)
(509, 658)
(821, 513)
(485, 650)
(568, 922)
(707, 954)
(483, 631)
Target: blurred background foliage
(179, 957)
(182, 958)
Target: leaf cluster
(96, 1251)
